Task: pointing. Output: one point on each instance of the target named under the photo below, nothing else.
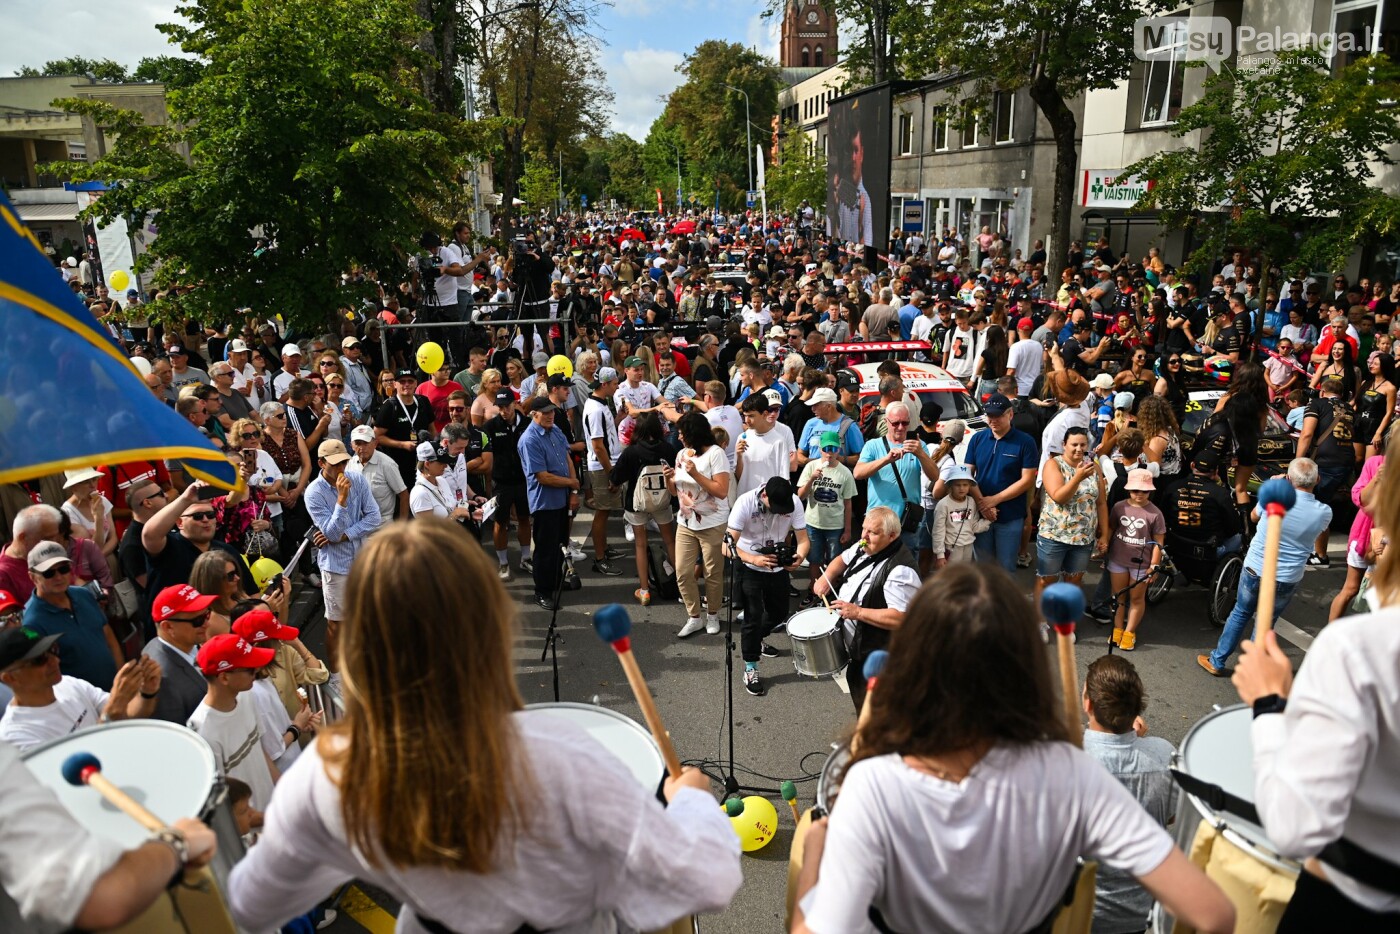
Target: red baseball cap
(180, 598)
(8, 601)
(227, 652)
(1025, 324)
(261, 625)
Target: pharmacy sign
(1109, 188)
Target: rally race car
(1276, 447)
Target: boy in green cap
(827, 487)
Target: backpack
(661, 577)
(649, 494)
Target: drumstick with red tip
(874, 664)
(614, 625)
(1276, 497)
(789, 793)
(83, 768)
(1061, 604)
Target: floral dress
(1075, 522)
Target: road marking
(367, 912)
(1292, 633)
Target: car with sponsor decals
(1276, 447)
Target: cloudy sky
(644, 40)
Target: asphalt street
(789, 733)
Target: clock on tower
(808, 35)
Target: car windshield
(953, 404)
(1197, 412)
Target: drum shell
(833, 769)
(818, 649)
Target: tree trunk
(1063, 128)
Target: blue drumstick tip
(1278, 490)
(875, 663)
(1062, 603)
(78, 763)
(612, 622)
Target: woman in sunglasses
(216, 575)
(246, 441)
(1171, 383)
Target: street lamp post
(748, 133)
(679, 183)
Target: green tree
(874, 33)
(539, 184)
(663, 156)
(306, 125)
(627, 177)
(1291, 152)
(1055, 49)
(99, 69)
(169, 70)
(709, 117)
(798, 175)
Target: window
(1003, 115)
(806, 54)
(940, 129)
(817, 57)
(1362, 27)
(970, 132)
(906, 134)
(1161, 89)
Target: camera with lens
(429, 262)
(785, 553)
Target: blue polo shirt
(544, 451)
(83, 651)
(882, 489)
(810, 442)
(997, 464)
(1301, 526)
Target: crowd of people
(607, 365)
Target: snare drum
(1235, 853)
(170, 771)
(829, 782)
(818, 647)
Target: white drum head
(165, 767)
(813, 622)
(1219, 750)
(620, 735)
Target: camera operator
(442, 272)
(531, 268)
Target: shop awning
(47, 213)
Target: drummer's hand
(815, 842)
(691, 777)
(820, 587)
(1139, 726)
(847, 610)
(1262, 670)
(199, 839)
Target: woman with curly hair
(1163, 436)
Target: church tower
(808, 35)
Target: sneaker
(643, 597)
(612, 554)
(527, 566)
(1128, 642)
(794, 593)
(807, 600)
(1117, 637)
(712, 624)
(631, 535)
(1204, 662)
(504, 572)
(314, 579)
(327, 919)
(753, 684)
(604, 568)
(1319, 561)
(1023, 560)
(691, 627)
(575, 552)
(1102, 617)
(768, 651)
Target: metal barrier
(516, 323)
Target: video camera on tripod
(430, 262)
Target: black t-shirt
(130, 553)
(1334, 450)
(402, 421)
(1070, 350)
(174, 564)
(1201, 509)
(1227, 341)
(505, 447)
(1176, 340)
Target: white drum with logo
(818, 646)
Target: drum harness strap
(869, 638)
(1358, 863)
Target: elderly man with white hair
(894, 467)
(32, 525)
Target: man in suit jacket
(181, 615)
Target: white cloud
(633, 9)
(764, 35)
(640, 78)
(122, 30)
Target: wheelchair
(1194, 561)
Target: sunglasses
(204, 515)
(281, 415)
(231, 576)
(42, 660)
(336, 384)
(1175, 361)
(894, 424)
(249, 436)
(327, 363)
(197, 622)
(56, 570)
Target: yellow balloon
(120, 280)
(559, 364)
(264, 570)
(430, 357)
(756, 824)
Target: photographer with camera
(759, 524)
(531, 268)
(443, 271)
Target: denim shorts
(1055, 558)
(826, 544)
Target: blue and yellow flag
(69, 397)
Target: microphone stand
(551, 636)
(731, 783)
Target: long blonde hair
(427, 760)
(1385, 579)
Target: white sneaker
(651, 524)
(712, 624)
(627, 531)
(575, 552)
(505, 572)
(691, 627)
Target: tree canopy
(798, 175)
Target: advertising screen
(858, 168)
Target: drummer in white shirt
(879, 578)
(49, 705)
(1327, 756)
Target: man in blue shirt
(910, 313)
(88, 649)
(1301, 526)
(344, 512)
(1003, 460)
(893, 464)
(552, 489)
(826, 416)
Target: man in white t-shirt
(604, 448)
(766, 447)
(1025, 359)
(759, 523)
(230, 665)
(635, 395)
(720, 414)
(49, 705)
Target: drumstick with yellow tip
(614, 625)
(789, 793)
(1061, 604)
